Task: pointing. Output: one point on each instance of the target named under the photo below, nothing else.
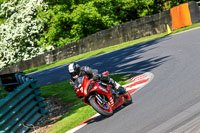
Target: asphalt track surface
(169, 103)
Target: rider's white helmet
(74, 70)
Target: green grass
(3, 93)
(106, 50)
(62, 90)
(77, 114)
(79, 111)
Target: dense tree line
(68, 21)
(59, 22)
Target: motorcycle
(102, 97)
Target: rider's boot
(120, 90)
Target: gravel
(55, 109)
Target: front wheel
(103, 109)
(127, 98)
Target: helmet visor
(74, 75)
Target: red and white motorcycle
(100, 96)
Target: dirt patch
(56, 109)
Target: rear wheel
(127, 98)
(102, 108)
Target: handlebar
(92, 81)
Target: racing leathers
(92, 73)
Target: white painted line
(76, 128)
(82, 125)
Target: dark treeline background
(70, 20)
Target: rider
(76, 71)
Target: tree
(19, 33)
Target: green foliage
(71, 20)
(162, 5)
(68, 21)
(20, 29)
(3, 93)
(2, 20)
(76, 19)
(1, 1)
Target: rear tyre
(127, 98)
(103, 109)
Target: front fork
(100, 99)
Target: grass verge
(106, 50)
(3, 93)
(79, 111)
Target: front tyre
(103, 109)
(127, 98)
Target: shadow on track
(100, 117)
(133, 58)
(129, 59)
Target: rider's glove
(96, 77)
